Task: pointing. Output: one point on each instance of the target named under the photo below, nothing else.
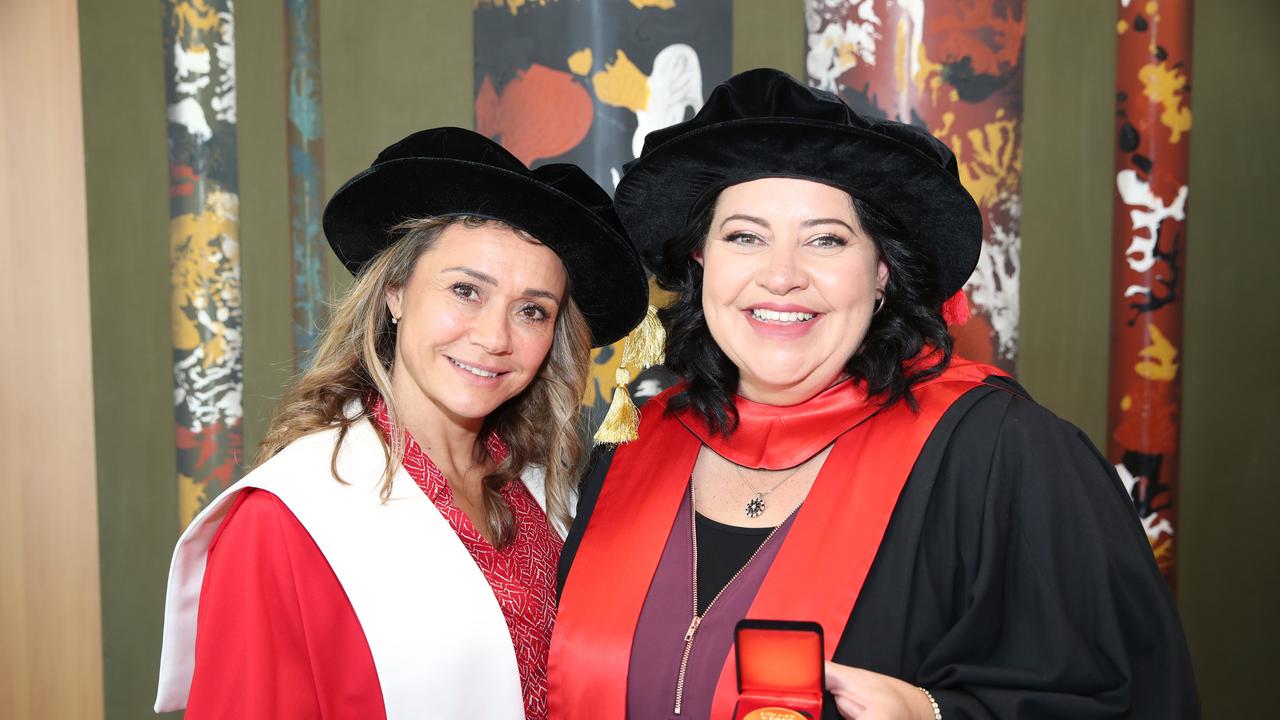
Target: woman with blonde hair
(393, 554)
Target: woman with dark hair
(827, 458)
(393, 553)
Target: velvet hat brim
(452, 171)
(763, 124)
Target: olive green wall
(127, 190)
(768, 33)
(1068, 111)
(1229, 575)
(393, 66)
(264, 212)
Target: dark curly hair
(910, 321)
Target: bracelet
(937, 711)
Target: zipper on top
(691, 634)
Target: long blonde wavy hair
(353, 361)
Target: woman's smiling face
(790, 280)
(476, 320)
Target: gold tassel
(622, 421)
(646, 345)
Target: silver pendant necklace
(755, 506)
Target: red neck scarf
(776, 437)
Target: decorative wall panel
(584, 82)
(955, 68)
(204, 245)
(1149, 231)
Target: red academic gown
(276, 635)
(276, 660)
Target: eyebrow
(829, 221)
(807, 223)
(490, 280)
(749, 218)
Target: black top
(723, 550)
(1014, 579)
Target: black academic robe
(1014, 579)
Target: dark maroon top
(668, 609)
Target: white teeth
(785, 317)
(474, 370)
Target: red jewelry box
(780, 674)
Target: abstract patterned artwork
(1149, 231)
(956, 69)
(204, 242)
(305, 131)
(584, 82)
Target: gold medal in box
(776, 713)
(779, 665)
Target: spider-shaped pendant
(755, 506)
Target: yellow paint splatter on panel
(191, 497)
(660, 4)
(1166, 85)
(847, 55)
(621, 84)
(990, 162)
(948, 119)
(1163, 550)
(1158, 358)
(1122, 26)
(1152, 7)
(580, 62)
(193, 19)
(1126, 402)
(928, 72)
(205, 282)
(512, 5)
(658, 297)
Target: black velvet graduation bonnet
(452, 171)
(762, 123)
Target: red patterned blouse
(522, 575)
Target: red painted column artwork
(1149, 231)
(956, 69)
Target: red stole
(840, 525)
